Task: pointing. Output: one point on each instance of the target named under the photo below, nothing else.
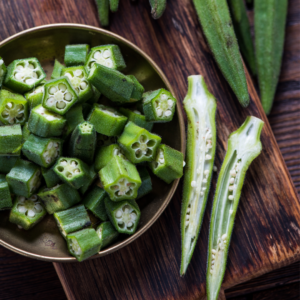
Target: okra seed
(159, 112)
(224, 237)
(31, 213)
(231, 188)
(97, 55)
(193, 184)
(207, 157)
(69, 175)
(170, 103)
(60, 105)
(231, 181)
(106, 54)
(215, 169)
(183, 164)
(68, 96)
(19, 68)
(83, 85)
(62, 87)
(233, 173)
(77, 73)
(21, 209)
(9, 105)
(163, 97)
(76, 171)
(231, 211)
(52, 90)
(206, 172)
(68, 75)
(118, 214)
(63, 162)
(30, 66)
(230, 197)
(204, 180)
(168, 113)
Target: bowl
(46, 43)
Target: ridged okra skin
(13, 108)
(168, 164)
(138, 143)
(146, 186)
(45, 123)
(109, 56)
(76, 55)
(138, 89)
(72, 219)
(27, 212)
(59, 197)
(3, 71)
(95, 98)
(103, 11)
(74, 117)
(24, 178)
(57, 68)
(200, 107)
(217, 26)
(243, 147)
(50, 177)
(35, 96)
(24, 74)
(5, 197)
(107, 233)
(84, 243)
(42, 151)
(269, 32)
(107, 120)
(10, 140)
(94, 201)
(92, 175)
(120, 179)
(159, 106)
(124, 215)
(157, 8)
(7, 163)
(25, 132)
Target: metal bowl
(46, 43)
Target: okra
(217, 26)
(124, 215)
(84, 243)
(74, 117)
(200, 107)
(25, 132)
(92, 175)
(24, 178)
(109, 56)
(269, 29)
(104, 140)
(103, 11)
(107, 233)
(5, 197)
(10, 140)
(159, 106)
(72, 219)
(138, 89)
(138, 143)
(59, 197)
(168, 164)
(113, 5)
(76, 55)
(95, 98)
(50, 177)
(136, 117)
(7, 163)
(45, 123)
(27, 212)
(157, 8)
(243, 147)
(120, 179)
(57, 68)
(146, 186)
(94, 201)
(107, 120)
(3, 71)
(35, 97)
(42, 151)
(13, 108)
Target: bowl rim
(175, 183)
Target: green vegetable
(107, 233)
(138, 89)
(3, 71)
(50, 177)
(7, 163)
(114, 5)
(146, 186)
(5, 197)
(75, 55)
(92, 175)
(103, 11)
(10, 140)
(74, 117)
(57, 68)
(157, 8)
(25, 132)
(35, 96)
(104, 140)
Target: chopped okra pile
(65, 152)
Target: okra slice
(45, 123)
(5, 197)
(13, 108)
(120, 179)
(72, 219)
(138, 89)
(94, 201)
(136, 117)
(146, 186)
(50, 177)
(74, 117)
(7, 163)
(138, 143)
(72, 171)
(109, 56)
(107, 233)
(76, 55)
(24, 74)
(84, 243)
(35, 96)
(25, 132)
(124, 215)
(200, 107)
(10, 140)
(57, 68)
(59, 197)
(27, 212)
(159, 106)
(107, 120)
(92, 174)
(3, 71)
(78, 78)
(42, 151)
(95, 97)
(243, 147)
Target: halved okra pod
(243, 147)
(57, 68)
(146, 186)
(10, 140)
(107, 233)
(136, 117)
(3, 71)
(92, 175)
(76, 55)
(7, 163)
(157, 8)
(27, 212)
(5, 197)
(50, 177)
(120, 179)
(24, 74)
(138, 144)
(35, 97)
(72, 219)
(200, 107)
(24, 178)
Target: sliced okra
(136, 117)
(107, 233)
(27, 211)
(45, 123)
(3, 71)
(104, 140)
(109, 56)
(72, 219)
(124, 215)
(138, 89)
(50, 177)
(59, 197)
(84, 243)
(5, 197)
(42, 151)
(76, 55)
(95, 98)
(25, 132)
(74, 116)
(10, 140)
(57, 68)
(35, 96)
(92, 174)
(7, 163)
(107, 120)
(146, 186)
(13, 108)
(243, 147)
(24, 74)
(138, 143)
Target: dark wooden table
(22, 278)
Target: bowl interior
(47, 43)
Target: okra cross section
(243, 147)
(107, 233)
(5, 197)
(10, 140)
